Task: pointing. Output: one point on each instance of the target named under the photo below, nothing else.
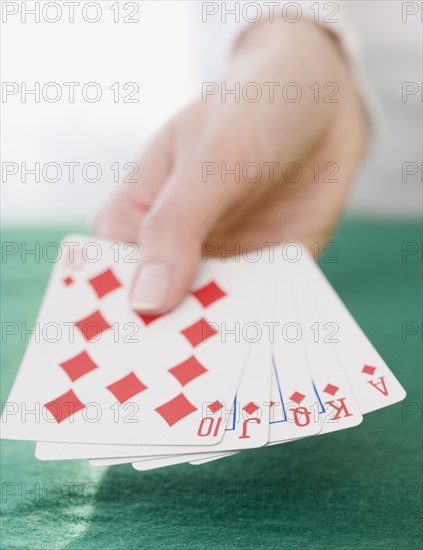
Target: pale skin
(171, 211)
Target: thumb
(173, 230)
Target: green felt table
(359, 488)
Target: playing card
(210, 458)
(123, 378)
(294, 408)
(336, 403)
(372, 382)
(145, 465)
(101, 462)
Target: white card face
(161, 462)
(372, 382)
(337, 406)
(294, 410)
(247, 425)
(145, 465)
(118, 377)
(101, 462)
(210, 458)
(46, 450)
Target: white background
(170, 52)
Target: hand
(179, 202)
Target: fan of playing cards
(261, 351)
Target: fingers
(174, 228)
(122, 215)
